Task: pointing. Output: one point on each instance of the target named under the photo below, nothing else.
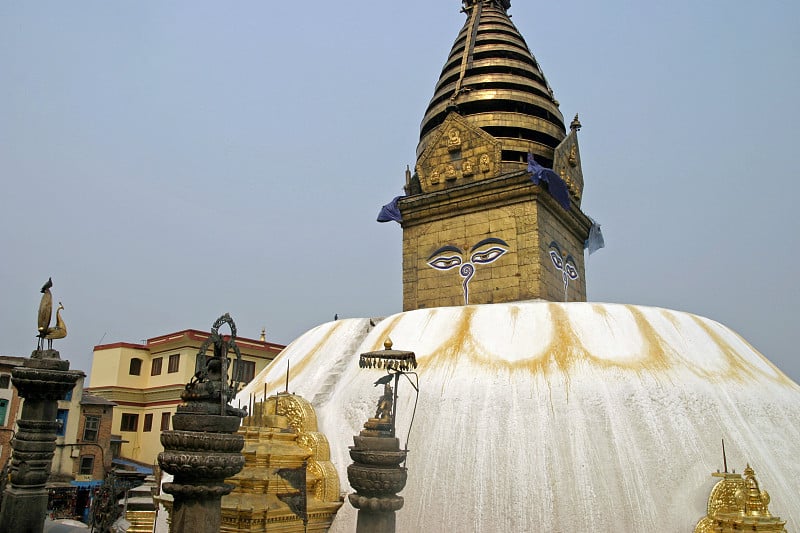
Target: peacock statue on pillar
(45, 331)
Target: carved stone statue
(209, 391)
(203, 448)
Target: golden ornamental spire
(737, 503)
(505, 4)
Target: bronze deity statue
(210, 391)
(384, 410)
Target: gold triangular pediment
(458, 153)
(567, 163)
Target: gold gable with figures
(460, 153)
(567, 163)
(281, 434)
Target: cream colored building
(146, 381)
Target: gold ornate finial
(575, 125)
(395, 360)
(263, 337)
(737, 501)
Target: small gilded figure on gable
(384, 410)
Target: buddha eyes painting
(485, 252)
(565, 264)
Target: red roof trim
(203, 335)
(120, 345)
(196, 335)
(92, 390)
(149, 404)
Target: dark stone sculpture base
(377, 477)
(197, 515)
(41, 381)
(27, 510)
(200, 459)
(371, 522)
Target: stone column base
(24, 510)
(369, 522)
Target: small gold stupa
(737, 503)
(281, 436)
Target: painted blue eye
(445, 262)
(571, 271)
(557, 261)
(487, 256)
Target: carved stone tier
(200, 454)
(203, 448)
(377, 477)
(41, 381)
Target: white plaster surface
(543, 416)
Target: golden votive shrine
(286, 440)
(737, 503)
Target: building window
(155, 366)
(165, 421)
(68, 396)
(3, 410)
(61, 418)
(148, 422)
(129, 422)
(5, 381)
(174, 363)
(87, 465)
(90, 427)
(136, 367)
(246, 370)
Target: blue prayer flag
(555, 185)
(595, 240)
(391, 211)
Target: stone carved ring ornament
(485, 252)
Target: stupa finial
(738, 499)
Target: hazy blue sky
(167, 162)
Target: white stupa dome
(540, 416)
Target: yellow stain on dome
(388, 326)
(296, 366)
(559, 354)
(565, 348)
(739, 369)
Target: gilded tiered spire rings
(505, 4)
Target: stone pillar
(204, 449)
(377, 477)
(200, 453)
(41, 381)
(376, 474)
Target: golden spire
(494, 82)
(737, 503)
